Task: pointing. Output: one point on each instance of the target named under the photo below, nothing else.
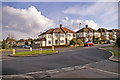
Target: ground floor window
(49, 42)
(62, 41)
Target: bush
(26, 43)
(118, 42)
(113, 39)
(4, 44)
(79, 42)
(66, 45)
(73, 42)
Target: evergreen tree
(4, 44)
(26, 43)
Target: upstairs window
(49, 36)
(61, 35)
(56, 35)
(69, 35)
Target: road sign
(40, 50)
(13, 51)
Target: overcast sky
(28, 19)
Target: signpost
(13, 51)
(40, 50)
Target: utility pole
(93, 36)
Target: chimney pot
(60, 25)
(86, 26)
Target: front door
(56, 41)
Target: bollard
(30, 48)
(40, 50)
(53, 48)
(13, 51)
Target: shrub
(26, 43)
(73, 42)
(79, 41)
(66, 45)
(118, 42)
(113, 39)
(4, 44)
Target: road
(70, 57)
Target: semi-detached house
(59, 36)
(86, 34)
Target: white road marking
(87, 64)
(52, 71)
(96, 62)
(68, 68)
(105, 71)
(35, 72)
(80, 67)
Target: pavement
(80, 62)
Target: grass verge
(35, 52)
(116, 53)
(107, 47)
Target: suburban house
(59, 36)
(10, 42)
(87, 33)
(108, 34)
(21, 42)
(104, 33)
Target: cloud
(91, 9)
(74, 24)
(66, 18)
(24, 21)
(105, 13)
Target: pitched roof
(102, 30)
(42, 39)
(67, 30)
(58, 30)
(86, 29)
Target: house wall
(48, 39)
(70, 36)
(62, 39)
(43, 43)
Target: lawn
(107, 47)
(35, 52)
(116, 53)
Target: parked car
(110, 41)
(27, 46)
(21, 46)
(88, 44)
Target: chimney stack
(86, 26)
(60, 25)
